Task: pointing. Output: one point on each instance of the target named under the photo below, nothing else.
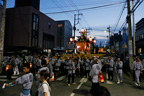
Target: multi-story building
(124, 42)
(24, 3)
(139, 35)
(28, 28)
(0, 16)
(64, 34)
(116, 43)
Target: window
(142, 36)
(138, 38)
(35, 28)
(49, 25)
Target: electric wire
(94, 3)
(90, 8)
(75, 6)
(138, 3)
(123, 8)
(84, 9)
(55, 2)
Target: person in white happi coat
(87, 67)
(71, 71)
(138, 70)
(119, 70)
(78, 66)
(44, 67)
(82, 66)
(91, 62)
(17, 63)
(94, 73)
(67, 61)
(100, 62)
(12, 62)
(57, 66)
(110, 69)
(39, 62)
(26, 80)
(133, 71)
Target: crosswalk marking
(83, 80)
(60, 78)
(14, 77)
(72, 94)
(3, 76)
(6, 77)
(3, 79)
(109, 82)
(79, 85)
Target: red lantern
(7, 67)
(94, 41)
(90, 39)
(30, 65)
(71, 39)
(101, 78)
(52, 76)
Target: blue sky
(98, 19)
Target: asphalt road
(81, 88)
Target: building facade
(0, 16)
(116, 43)
(26, 27)
(64, 34)
(139, 35)
(24, 3)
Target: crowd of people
(41, 68)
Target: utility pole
(109, 37)
(75, 23)
(100, 44)
(74, 28)
(87, 30)
(2, 33)
(129, 33)
(134, 47)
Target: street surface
(81, 88)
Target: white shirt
(94, 73)
(44, 87)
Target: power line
(133, 9)
(87, 8)
(123, 25)
(90, 8)
(64, 4)
(119, 17)
(72, 3)
(94, 3)
(56, 3)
